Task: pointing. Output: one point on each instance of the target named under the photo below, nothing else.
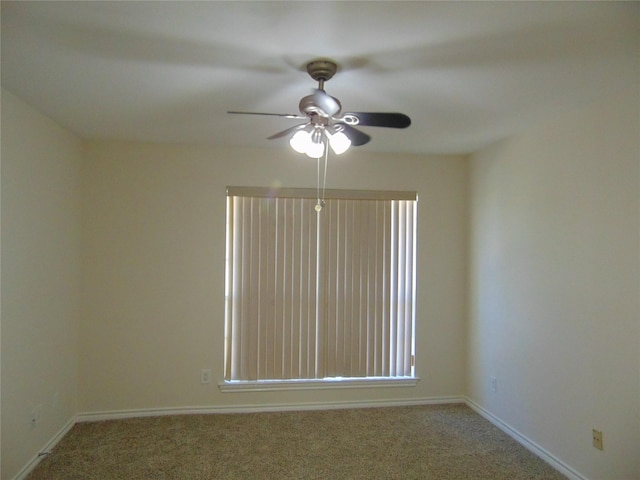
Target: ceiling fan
(324, 123)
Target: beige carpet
(424, 442)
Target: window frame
(228, 384)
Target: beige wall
(154, 269)
(555, 285)
(41, 165)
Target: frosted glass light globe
(339, 142)
(300, 141)
(315, 150)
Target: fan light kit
(325, 127)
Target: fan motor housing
(308, 107)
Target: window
(319, 296)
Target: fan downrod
(322, 69)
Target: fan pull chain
(321, 203)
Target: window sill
(271, 385)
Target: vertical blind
(313, 295)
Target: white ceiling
(467, 73)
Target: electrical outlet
(597, 439)
(205, 375)
(494, 384)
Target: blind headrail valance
(271, 192)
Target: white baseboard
(46, 448)
(527, 443)
(256, 408)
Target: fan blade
(286, 115)
(327, 103)
(371, 119)
(286, 132)
(356, 136)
